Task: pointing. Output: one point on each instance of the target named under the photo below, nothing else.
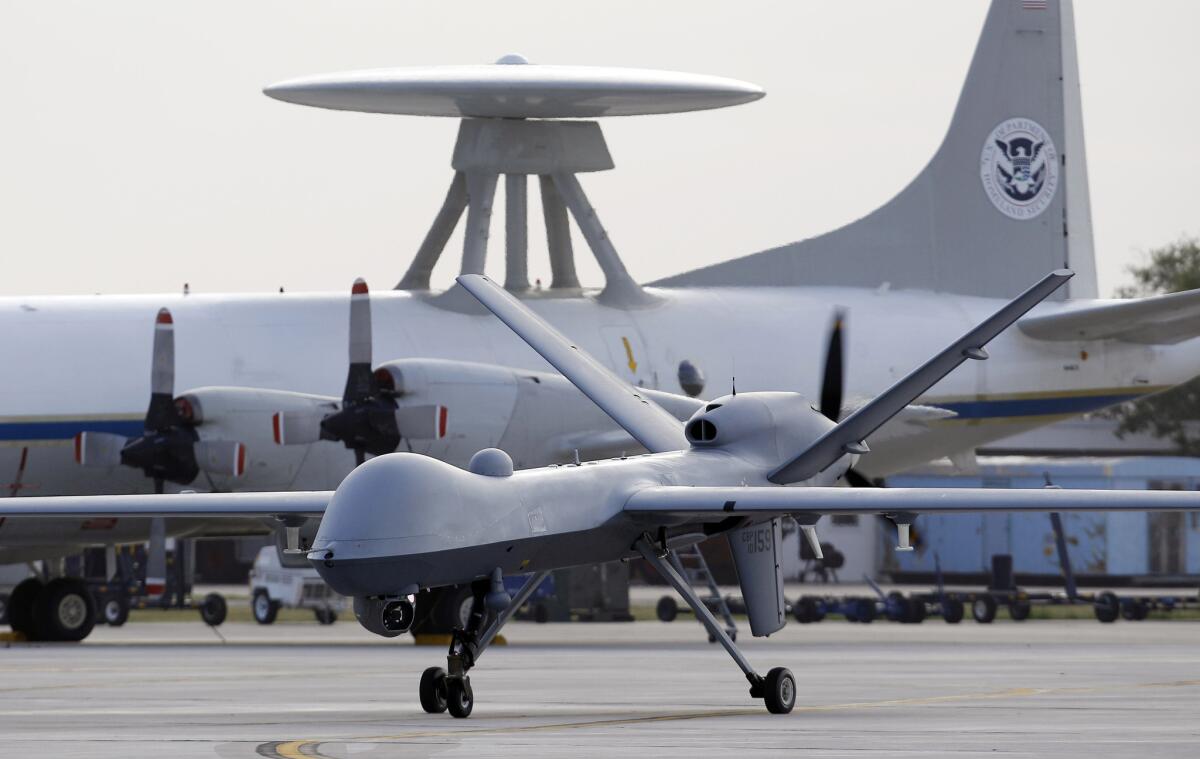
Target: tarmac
(1036, 689)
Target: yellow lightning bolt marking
(629, 355)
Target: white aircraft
(403, 523)
(998, 204)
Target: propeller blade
(297, 427)
(161, 412)
(221, 457)
(162, 371)
(833, 382)
(98, 449)
(426, 422)
(360, 382)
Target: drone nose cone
(385, 521)
(398, 504)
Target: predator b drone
(402, 522)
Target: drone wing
(715, 503)
(859, 425)
(628, 406)
(201, 505)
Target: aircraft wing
(200, 505)
(628, 406)
(862, 423)
(1157, 320)
(713, 503)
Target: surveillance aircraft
(1003, 199)
(401, 522)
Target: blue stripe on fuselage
(66, 430)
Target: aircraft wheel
(952, 611)
(1141, 611)
(896, 606)
(263, 607)
(325, 615)
(64, 610)
(213, 610)
(983, 609)
(1018, 611)
(916, 612)
(20, 607)
(1107, 607)
(115, 611)
(779, 691)
(666, 609)
(433, 690)
(865, 610)
(459, 697)
(804, 610)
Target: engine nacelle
(245, 415)
(537, 417)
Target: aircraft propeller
(832, 391)
(369, 419)
(169, 449)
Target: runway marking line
(307, 748)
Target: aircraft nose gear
(433, 690)
(777, 689)
(450, 689)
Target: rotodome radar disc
(513, 88)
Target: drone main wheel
(779, 691)
(459, 697)
(433, 690)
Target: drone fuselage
(405, 522)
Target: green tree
(1168, 269)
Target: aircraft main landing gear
(450, 689)
(777, 689)
(59, 610)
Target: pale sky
(138, 152)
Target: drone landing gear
(778, 688)
(450, 688)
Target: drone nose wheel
(779, 691)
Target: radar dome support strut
(520, 120)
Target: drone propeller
(169, 448)
(368, 420)
(833, 381)
(833, 386)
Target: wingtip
(359, 287)
(164, 317)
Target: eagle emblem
(1022, 169)
(1019, 168)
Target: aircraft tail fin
(1004, 199)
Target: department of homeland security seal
(1019, 168)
